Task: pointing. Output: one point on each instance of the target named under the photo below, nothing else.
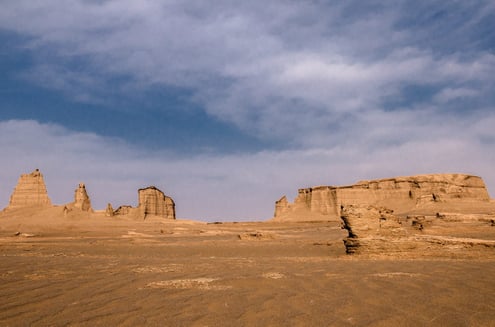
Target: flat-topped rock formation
(403, 216)
(400, 194)
(154, 202)
(30, 192)
(151, 202)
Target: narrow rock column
(81, 198)
(109, 212)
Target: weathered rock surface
(81, 198)
(30, 192)
(377, 231)
(256, 236)
(368, 223)
(154, 202)
(401, 194)
(109, 212)
(151, 202)
(124, 210)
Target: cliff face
(401, 194)
(376, 231)
(30, 192)
(152, 201)
(368, 226)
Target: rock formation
(401, 194)
(124, 210)
(153, 202)
(109, 212)
(81, 198)
(369, 224)
(377, 231)
(30, 192)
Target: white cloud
(247, 66)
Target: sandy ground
(109, 273)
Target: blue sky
(226, 106)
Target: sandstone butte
(31, 193)
(421, 213)
(425, 193)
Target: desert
(348, 260)
(247, 163)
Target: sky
(226, 106)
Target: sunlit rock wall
(152, 201)
(399, 194)
(30, 192)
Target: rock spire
(30, 192)
(81, 198)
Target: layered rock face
(81, 199)
(369, 224)
(153, 202)
(401, 194)
(30, 192)
(377, 231)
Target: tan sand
(102, 271)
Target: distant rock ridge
(400, 194)
(30, 192)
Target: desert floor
(232, 274)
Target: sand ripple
(196, 283)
